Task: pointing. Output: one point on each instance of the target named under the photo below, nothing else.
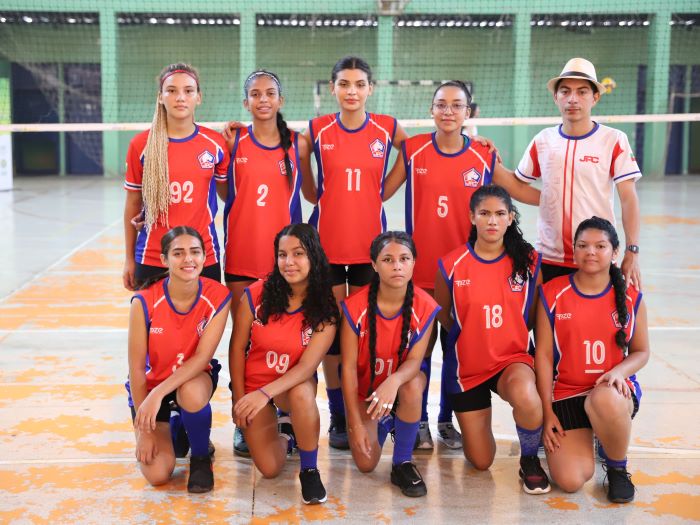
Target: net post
(385, 59)
(247, 54)
(112, 163)
(522, 36)
(5, 137)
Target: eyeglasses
(455, 108)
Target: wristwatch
(633, 248)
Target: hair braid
(286, 143)
(372, 323)
(618, 282)
(406, 314)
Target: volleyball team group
(366, 303)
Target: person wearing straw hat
(579, 162)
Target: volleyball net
(77, 81)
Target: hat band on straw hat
(578, 74)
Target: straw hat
(577, 68)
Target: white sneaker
(424, 441)
(449, 435)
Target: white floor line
(62, 259)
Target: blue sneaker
(240, 447)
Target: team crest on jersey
(377, 148)
(616, 320)
(471, 178)
(306, 334)
(201, 325)
(283, 168)
(206, 160)
(517, 284)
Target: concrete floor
(67, 449)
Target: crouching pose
(384, 337)
(287, 323)
(591, 340)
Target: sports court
(66, 441)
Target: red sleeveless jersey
(351, 165)
(194, 164)
(275, 347)
(491, 312)
(438, 189)
(260, 203)
(584, 328)
(173, 336)
(355, 309)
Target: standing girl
(352, 150)
(384, 336)
(286, 323)
(487, 290)
(442, 171)
(171, 173)
(591, 341)
(175, 325)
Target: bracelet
(265, 394)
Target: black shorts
(355, 274)
(169, 402)
(146, 271)
(233, 278)
(550, 271)
(572, 414)
(477, 398)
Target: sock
(616, 464)
(383, 428)
(281, 413)
(405, 439)
(198, 427)
(424, 407)
(335, 401)
(445, 415)
(175, 425)
(448, 376)
(529, 440)
(308, 458)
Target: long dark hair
(616, 277)
(165, 243)
(516, 247)
(376, 247)
(458, 84)
(351, 62)
(282, 128)
(319, 305)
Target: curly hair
(319, 305)
(516, 247)
(616, 277)
(377, 246)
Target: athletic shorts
(169, 402)
(233, 278)
(146, 271)
(572, 414)
(354, 274)
(477, 398)
(550, 271)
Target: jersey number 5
(442, 208)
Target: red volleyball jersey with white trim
(490, 310)
(260, 203)
(355, 309)
(173, 336)
(352, 165)
(584, 328)
(438, 189)
(194, 164)
(275, 347)
(578, 176)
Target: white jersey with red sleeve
(584, 328)
(352, 165)
(439, 187)
(195, 164)
(578, 176)
(355, 309)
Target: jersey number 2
(262, 191)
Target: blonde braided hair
(155, 187)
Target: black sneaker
(312, 490)
(338, 433)
(285, 428)
(201, 475)
(408, 479)
(535, 480)
(240, 447)
(620, 486)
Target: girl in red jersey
(172, 172)
(442, 171)
(286, 323)
(175, 325)
(486, 290)
(591, 341)
(384, 336)
(352, 149)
